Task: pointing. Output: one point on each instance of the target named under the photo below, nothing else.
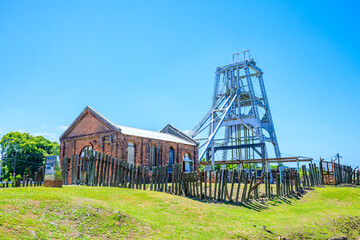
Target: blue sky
(148, 63)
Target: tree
(25, 153)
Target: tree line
(23, 153)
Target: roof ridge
(93, 111)
(101, 116)
(152, 134)
(178, 131)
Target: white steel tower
(239, 122)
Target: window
(84, 150)
(171, 158)
(82, 164)
(153, 155)
(131, 153)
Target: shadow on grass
(257, 205)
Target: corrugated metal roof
(153, 135)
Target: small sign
(52, 168)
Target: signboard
(52, 168)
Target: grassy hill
(113, 213)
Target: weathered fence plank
(243, 197)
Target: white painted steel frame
(226, 113)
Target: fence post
(117, 173)
(201, 188)
(278, 184)
(291, 176)
(175, 169)
(179, 178)
(245, 188)
(321, 173)
(159, 178)
(224, 185)
(88, 163)
(63, 170)
(197, 184)
(104, 170)
(193, 179)
(108, 172)
(144, 177)
(210, 183)
(205, 183)
(216, 180)
(164, 178)
(221, 173)
(111, 171)
(156, 179)
(96, 167)
(88, 167)
(269, 188)
(93, 168)
(72, 169)
(101, 168)
(256, 192)
(35, 179)
(266, 183)
(152, 179)
(126, 173)
(123, 173)
(251, 184)
(27, 180)
(132, 181)
(232, 180)
(139, 176)
(188, 184)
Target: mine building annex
(90, 130)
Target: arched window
(131, 153)
(153, 155)
(171, 158)
(84, 150)
(82, 164)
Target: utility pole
(14, 165)
(2, 156)
(15, 159)
(338, 158)
(55, 151)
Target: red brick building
(147, 148)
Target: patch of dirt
(347, 226)
(58, 220)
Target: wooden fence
(334, 174)
(356, 177)
(343, 174)
(232, 186)
(235, 186)
(311, 176)
(25, 181)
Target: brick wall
(89, 130)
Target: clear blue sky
(148, 63)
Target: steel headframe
(241, 112)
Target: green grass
(113, 213)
